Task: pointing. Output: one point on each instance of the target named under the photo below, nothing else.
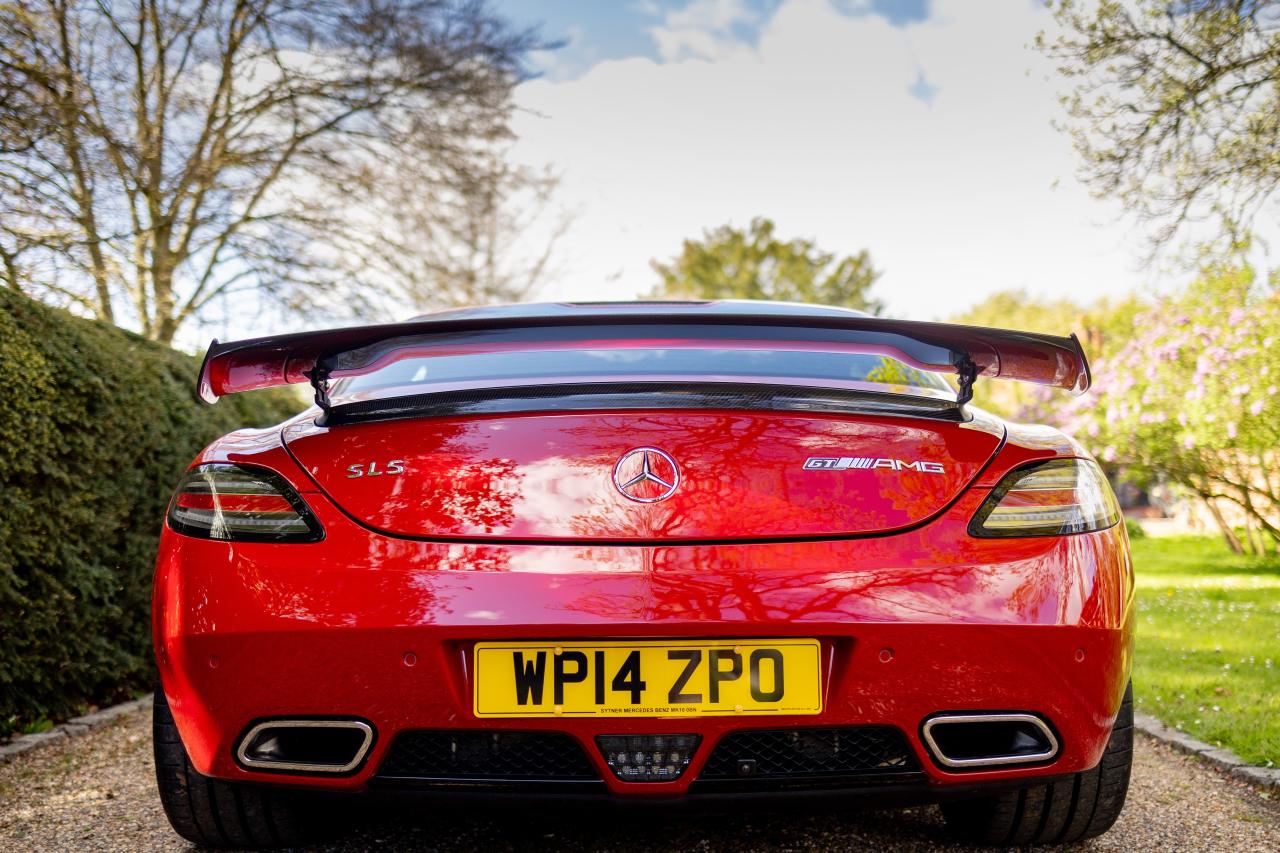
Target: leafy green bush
(1135, 529)
(96, 425)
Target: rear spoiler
(967, 351)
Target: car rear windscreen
(841, 370)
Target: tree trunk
(1256, 524)
(10, 270)
(101, 284)
(1250, 536)
(1228, 534)
(164, 326)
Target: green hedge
(96, 425)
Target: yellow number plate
(648, 679)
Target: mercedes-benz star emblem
(646, 475)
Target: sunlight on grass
(1208, 658)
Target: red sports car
(645, 551)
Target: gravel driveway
(95, 792)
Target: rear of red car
(646, 552)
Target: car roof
(657, 308)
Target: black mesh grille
(790, 753)
(506, 756)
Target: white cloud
(816, 126)
(705, 29)
(566, 60)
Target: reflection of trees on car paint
(549, 475)
(747, 470)
(930, 575)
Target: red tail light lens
(241, 504)
(1051, 498)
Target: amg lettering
(926, 467)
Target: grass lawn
(1208, 643)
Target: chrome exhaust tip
(306, 746)
(970, 741)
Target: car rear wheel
(1066, 810)
(214, 813)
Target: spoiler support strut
(966, 374)
(319, 376)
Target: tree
(731, 263)
(490, 238)
(1103, 326)
(156, 156)
(1175, 106)
(1192, 398)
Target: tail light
(1048, 499)
(241, 504)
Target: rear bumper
(887, 793)
(381, 629)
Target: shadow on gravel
(590, 826)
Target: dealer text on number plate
(665, 678)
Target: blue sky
(919, 130)
(597, 30)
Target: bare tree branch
(161, 155)
(1175, 107)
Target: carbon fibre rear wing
(319, 356)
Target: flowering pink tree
(1193, 399)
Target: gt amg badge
(646, 475)
(847, 463)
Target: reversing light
(241, 504)
(1051, 498)
(647, 758)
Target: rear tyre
(214, 813)
(1067, 810)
